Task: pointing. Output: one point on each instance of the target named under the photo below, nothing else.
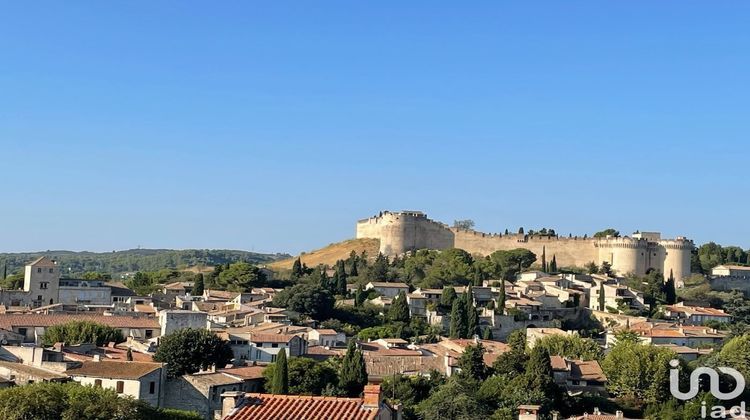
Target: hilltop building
(399, 232)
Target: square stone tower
(42, 281)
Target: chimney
(97, 358)
(373, 397)
(528, 412)
(619, 414)
(229, 401)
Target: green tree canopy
(308, 299)
(189, 350)
(399, 310)
(72, 401)
(306, 376)
(571, 346)
(607, 232)
(353, 374)
(241, 277)
(78, 332)
(280, 382)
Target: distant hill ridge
(116, 262)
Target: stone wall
(400, 232)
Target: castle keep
(403, 231)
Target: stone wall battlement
(399, 232)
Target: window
(98, 383)
(38, 270)
(43, 285)
(149, 333)
(39, 297)
(273, 358)
(274, 345)
(257, 354)
(22, 331)
(31, 381)
(51, 270)
(151, 387)
(120, 387)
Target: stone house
(390, 290)
(33, 326)
(141, 380)
(579, 376)
(201, 392)
(326, 337)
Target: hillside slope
(332, 253)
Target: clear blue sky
(273, 126)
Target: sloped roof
(39, 320)
(114, 370)
(289, 407)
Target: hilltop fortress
(403, 231)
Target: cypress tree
(297, 269)
(359, 296)
(544, 259)
(399, 310)
(353, 272)
(324, 280)
(341, 285)
(501, 298)
(487, 334)
(602, 300)
(553, 264)
(448, 296)
(280, 384)
(198, 286)
(353, 374)
(472, 319)
(458, 319)
(670, 294)
(5, 270)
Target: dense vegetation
(332, 377)
(189, 350)
(71, 401)
(77, 332)
(114, 263)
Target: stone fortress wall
(403, 231)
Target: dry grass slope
(332, 253)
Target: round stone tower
(677, 254)
(626, 254)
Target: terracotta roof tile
(296, 407)
(39, 320)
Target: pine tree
(129, 355)
(553, 264)
(520, 230)
(459, 326)
(297, 269)
(399, 310)
(544, 259)
(353, 374)
(472, 319)
(601, 297)
(506, 232)
(198, 286)
(280, 384)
